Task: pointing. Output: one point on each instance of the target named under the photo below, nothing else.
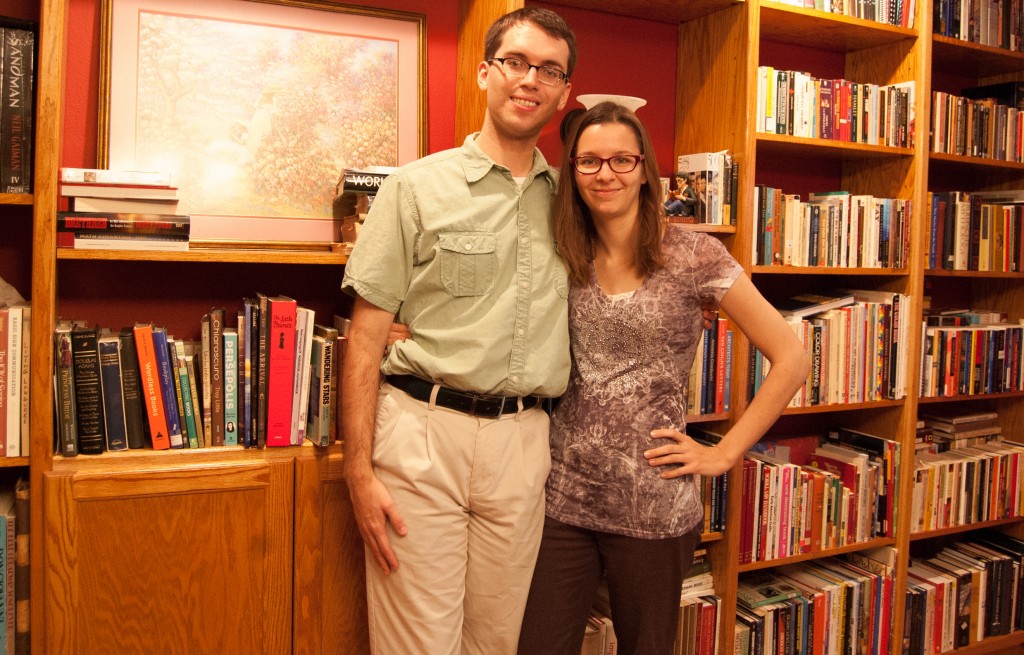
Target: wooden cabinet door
(191, 559)
(330, 581)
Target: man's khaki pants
(471, 491)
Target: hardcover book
(17, 109)
(762, 588)
(124, 223)
(64, 393)
(88, 396)
(217, 376)
(304, 320)
(190, 426)
(280, 369)
(179, 391)
(193, 387)
(15, 345)
(109, 348)
(131, 391)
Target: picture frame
(249, 104)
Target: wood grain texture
(150, 561)
(330, 580)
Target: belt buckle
(481, 398)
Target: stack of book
(956, 430)
(355, 192)
(268, 380)
(17, 114)
(120, 210)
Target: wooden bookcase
(244, 551)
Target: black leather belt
(474, 404)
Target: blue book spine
(230, 387)
(163, 362)
(933, 234)
(113, 401)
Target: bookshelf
(294, 536)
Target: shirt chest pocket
(468, 262)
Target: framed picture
(255, 107)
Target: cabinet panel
(169, 560)
(330, 579)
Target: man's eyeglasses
(589, 165)
(516, 68)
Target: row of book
(978, 479)
(715, 179)
(805, 494)
(15, 379)
(975, 231)
(14, 567)
(796, 103)
(971, 360)
(969, 591)
(832, 606)
(834, 229)
(891, 12)
(270, 380)
(996, 23)
(709, 383)
(858, 349)
(17, 101)
(976, 128)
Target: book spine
(362, 181)
(280, 373)
(188, 406)
(16, 111)
(260, 407)
(168, 393)
(88, 397)
(126, 224)
(217, 376)
(180, 392)
(113, 399)
(64, 381)
(230, 387)
(15, 336)
(207, 392)
(252, 331)
(131, 392)
(22, 578)
(193, 387)
(4, 316)
(149, 375)
(26, 379)
(318, 395)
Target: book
(762, 588)
(189, 428)
(216, 352)
(365, 180)
(122, 191)
(152, 390)
(114, 421)
(4, 401)
(318, 416)
(251, 314)
(64, 390)
(157, 206)
(92, 241)
(88, 396)
(26, 378)
(22, 568)
(167, 390)
(8, 556)
(115, 177)
(131, 391)
(806, 304)
(179, 396)
(206, 389)
(17, 115)
(280, 369)
(15, 346)
(230, 373)
(304, 321)
(124, 223)
(193, 387)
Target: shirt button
(524, 285)
(515, 378)
(468, 245)
(524, 240)
(520, 331)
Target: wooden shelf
(208, 255)
(827, 270)
(798, 25)
(783, 144)
(998, 645)
(665, 11)
(973, 59)
(829, 552)
(842, 407)
(928, 400)
(16, 198)
(13, 462)
(956, 529)
(941, 272)
(973, 162)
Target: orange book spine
(149, 373)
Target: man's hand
(374, 509)
(398, 332)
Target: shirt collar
(476, 163)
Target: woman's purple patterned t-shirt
(630, 361)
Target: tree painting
(259, 120)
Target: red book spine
(720, 362)
(280, 370)
(149, 373)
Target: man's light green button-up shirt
(465, 256)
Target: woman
(623, 496)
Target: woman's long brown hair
(573, 224)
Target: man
(682, 201)
(446, 460)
